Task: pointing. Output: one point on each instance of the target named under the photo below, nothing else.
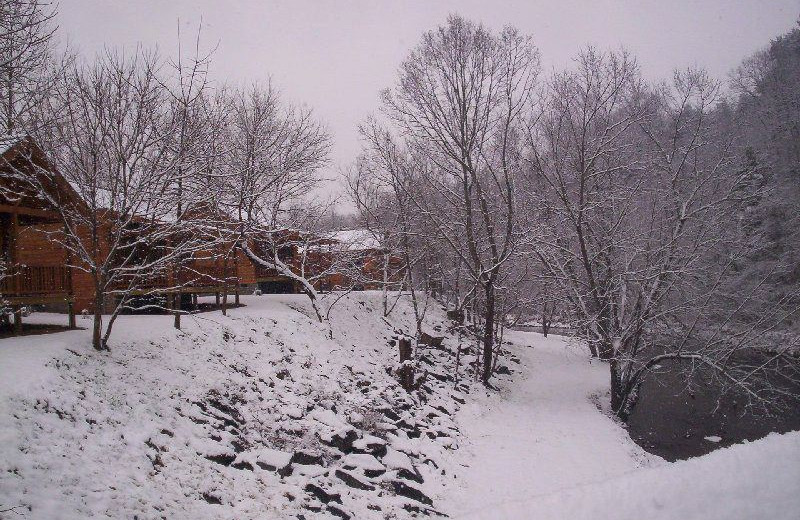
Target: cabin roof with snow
(356, 239)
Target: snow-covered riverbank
(543, 450)
(260, 414)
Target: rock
(274, 460)
(371, 445)
(456, 316)
(338, 511)
(443, 409)
(403, 489)
(306, 458)
(343, 441)
(323, 495)
(410, 475)
(242, 464)
(211, 499)
(226, 459)
(390, 414)
(502, 369)
(363, 462)
(439, 377)
(352, 481)
(423, 511)
(431, 341)
(397, 460)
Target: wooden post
(71, 313)
(70, 293)
(176, 305)
(237, 278)
(217, 295)
(406, 371)
(13, 251)
(17, 321)
(194, 301)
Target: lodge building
(38, 271)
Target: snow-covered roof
(356, 239)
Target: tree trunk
(545, 320)
(622, 395)
(605, 350)
(97, 327)
(488, 333)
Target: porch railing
(35, 280)
(206, 275)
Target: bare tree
(26, 65)
(274, 154)
(639, 187)
(381, 186)
(460, 99)
(111, 144)
(194, 124)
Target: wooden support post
(406, 370)
(17, 275)
(176, 306)
(194, 301)
(236, 294)
(71, 313)
(17, 321)
(217, 295)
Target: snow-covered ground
(262, 414)
(268, 414)
(543, 450)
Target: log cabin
(38, 270)
(35, 269)
(352, 259)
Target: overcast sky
(337, 55)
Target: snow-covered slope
(268, 414)
(256, 415)
(542, 450)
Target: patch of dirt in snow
(259, 414)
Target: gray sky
(337, 56)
